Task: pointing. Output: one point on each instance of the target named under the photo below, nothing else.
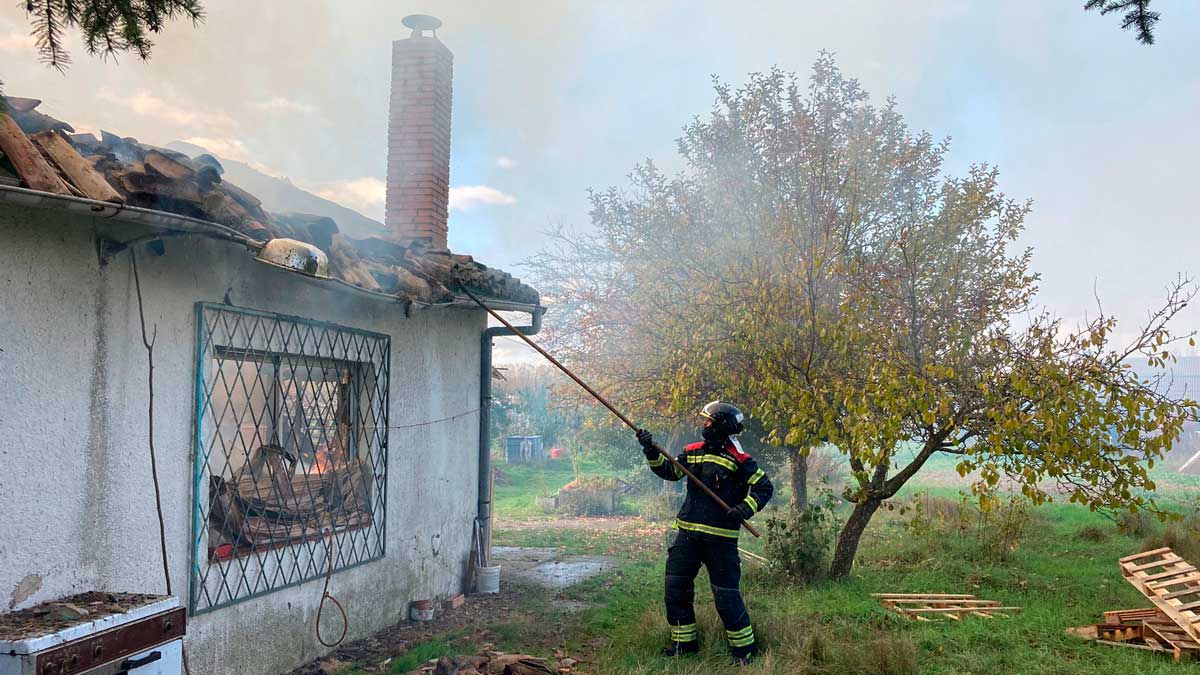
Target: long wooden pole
(603, 401)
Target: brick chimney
(418, 169)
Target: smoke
(1096, 129)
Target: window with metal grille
(291, 446)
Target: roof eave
(163, 222)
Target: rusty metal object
(102, 648)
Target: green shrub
(1137, 523)
(1183, 537)
(799, 542)
(1001, 527)
(937, 516)
(662, 505)
(1092, 534)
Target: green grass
(1058, 578)
(1063, 574)
(514, 497)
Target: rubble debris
(122, 170)
(941, 606)
(55, 615)
(495, 663)
(77, 169)
(454, 601)
(33, 169)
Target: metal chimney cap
(421, 22)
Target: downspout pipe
(485, 411)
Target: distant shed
(518, 449)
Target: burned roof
(41, 153)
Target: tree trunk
(799, 478)
(852, 531)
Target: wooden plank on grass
(1176, 571)
(936, 596)
(1177, 581)
(972, 601)
(948, 610)
(1127, 615)
(1167, 560)
(1128, 644)
(1144, 554)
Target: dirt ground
(527, 572)
(474, 615)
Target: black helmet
(726, 417)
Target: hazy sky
(552, 98)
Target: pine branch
(1137, 16)
(109, 27)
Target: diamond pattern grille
(291, 440)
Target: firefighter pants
(720, 558)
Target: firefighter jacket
(729, 472)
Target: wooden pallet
(1171, 583)
(1149, 629)
(1130, 615)
(1164, 633)
(938, 606)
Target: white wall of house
(76, 500)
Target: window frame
(330, 337)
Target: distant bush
(1181, 536)
(662, 505)
(592, 483)
(1001, 527)
(928, 515)
(799, 542)
(1093, 534)
(997, 530)
(1137, 524)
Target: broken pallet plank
(33, 169)
(75, 167)
(923, 595)
(1167, 559)
(965, 601)
(1146, 554)
(945, 610)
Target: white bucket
(487, 579)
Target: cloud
(366, 194)
(505, 162)
(468, 197)
(146, 104)
(281, 104)
(17, 42)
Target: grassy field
(1062, 573)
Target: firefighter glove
(647, 441)
(741, 512)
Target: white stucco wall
(76, 500)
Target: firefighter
(707, 534)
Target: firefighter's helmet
(726, 417)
